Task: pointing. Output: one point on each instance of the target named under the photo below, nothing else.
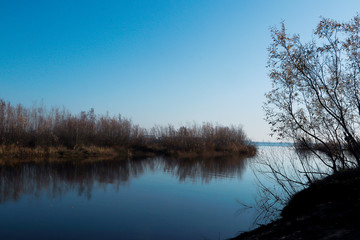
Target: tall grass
(38, 127)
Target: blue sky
(156, 62)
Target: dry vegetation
(38, 132)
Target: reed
(40, 132)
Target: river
(154, 198)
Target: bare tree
(315, 103)
(315, 97)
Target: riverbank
(18, 154)
(328, 209)
(26, 154)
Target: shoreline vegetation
(56, 133)
(315, 101)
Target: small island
(36, 133)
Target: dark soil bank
(328, 209)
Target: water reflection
(57, 178)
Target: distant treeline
(38, 127)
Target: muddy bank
(328, 209)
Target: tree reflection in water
(58, 178)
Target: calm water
(136, 199)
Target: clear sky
(156, 62)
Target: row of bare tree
(37, 126)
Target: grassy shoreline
(24, 154)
